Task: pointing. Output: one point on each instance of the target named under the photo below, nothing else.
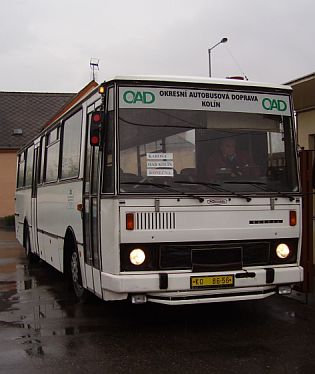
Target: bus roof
(92, 87)
(201, 80)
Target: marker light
(130, 221)
(137, 256)
(95, 127)
(282, 250)
(101, 90)
(293, 218)
(95, 140)
(96, 117)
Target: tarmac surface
(42, 330)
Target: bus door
(35, 246)
(91, 214)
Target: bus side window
(41, 161)
(29, 166)
(91, 169)
(21, 170)
(87, 160)
(108, 176)
(70, 159)
(52, 156)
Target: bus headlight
(282, 251)
(137, 256)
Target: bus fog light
(284, 290)
(137, 256)
(138, 299)
(282, 250)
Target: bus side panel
(23, 213)
(19, 220)
(56, 211)
(110, 228)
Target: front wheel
(80, 292)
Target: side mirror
(95, 128)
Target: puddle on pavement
(66, 331)
(35, 304)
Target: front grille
(265, 221)
(203, 257)
(215, 257)
(155, 221)
(206, 259)
(175, 257)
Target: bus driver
(229, 161)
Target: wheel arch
(70, 246)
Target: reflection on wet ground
(43, 330)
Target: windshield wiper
(259, 186)
(217, 187)
(166, 187)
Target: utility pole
(223, 40)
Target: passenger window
(41, 163)
(71, 146)
(29, 166)
(21, 166)
(52, 156)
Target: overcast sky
(46, 45)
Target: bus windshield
(172, 150)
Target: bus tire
(80, 292)
(31, 257)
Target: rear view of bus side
(168, 190)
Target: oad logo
(272, 104)
(131, 97)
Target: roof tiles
(26, 111)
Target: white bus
(129, 194)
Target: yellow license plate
(212, 281)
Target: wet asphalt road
(42, 330)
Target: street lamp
(223, 40)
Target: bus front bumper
(177, 288)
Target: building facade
(22, 115)
(304, 105)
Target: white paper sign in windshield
(209, 100)
(160, 165)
